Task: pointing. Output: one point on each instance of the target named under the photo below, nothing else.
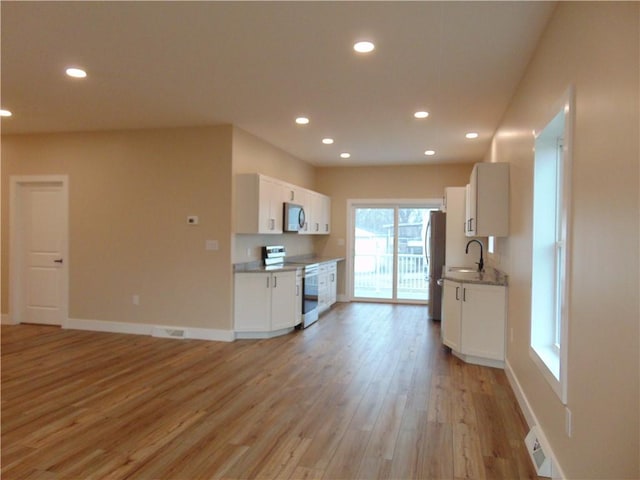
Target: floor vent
(164, 332)
(538, 456)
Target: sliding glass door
(388, 243)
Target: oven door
(310, 296)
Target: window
(549, 280)
(387, 238)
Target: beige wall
(253, 155)
(593, 46)
(130, 193)
(401, 182)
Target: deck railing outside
(373, 276)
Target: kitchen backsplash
(247, 248)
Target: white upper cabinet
(487, 201)
(325, 214)
(317, 209)
(259, 204)
(455, 229)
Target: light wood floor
(367, 392)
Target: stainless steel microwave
(293, 217)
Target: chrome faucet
(481, 262)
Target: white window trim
(551, 360)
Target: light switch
(192, 220)
(211, 245)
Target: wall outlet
(135, 299)
(193, 220)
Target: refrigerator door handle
(427, 249)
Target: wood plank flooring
(367, 392)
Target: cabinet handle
(333, 277)
(272, 223)
(267, 282)
(293, 195)
(317, 227)
(464, 294)
(275, 282)
(297, 290)
(457, 293)
(471, 224)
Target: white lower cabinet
(327, 286)
(266, 303)
(473, 321)
(333, 283)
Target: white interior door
(38, 251)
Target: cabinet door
(333, 283)
(271, 200)
(488, 200)
(451, 314)
(323, 288)
(325, 214)
(456, 229)
(483, 321)
(312, 213)
(283, 300)
(472, 203)
(252, 302)
(298, 306)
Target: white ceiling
(258, 65)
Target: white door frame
(16, 247)
(375, 202)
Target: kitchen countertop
(490, 276)
(290, 264)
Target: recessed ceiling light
(345, 155)
(364, 46)
(421, 114)
(5, 113)
(302, 120)
(472, 135)
(327, 141)
(76, 72)
(430, 152)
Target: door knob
(59, 260)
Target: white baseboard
(485, 362)
(556, 470)
(5, 319)
(262, 335)
(164, 331)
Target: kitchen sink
(462, 269)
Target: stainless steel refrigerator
(435, 240)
